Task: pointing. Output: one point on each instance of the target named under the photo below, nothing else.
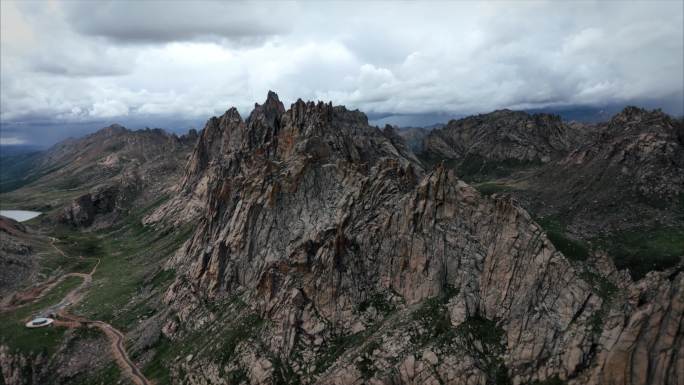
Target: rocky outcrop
(120, 168)
(353, 264)
(103, 200)
(16, 256)
(499, 143)
(642, 343)
(109, 171)
(77, 360)
(19, 369)
(502, 135)
(414, 136)
(631, 175)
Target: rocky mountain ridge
(322, 250)
(637, 156)
(307, 214)
(499, 141)
(104, 173)
(617, 187)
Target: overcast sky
(72, 67)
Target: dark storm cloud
(83, 69)
(152, 22)
(75, 64)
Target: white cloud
(108, 109)
(193, 60)
(11, 141)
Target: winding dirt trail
(116, 339)
(34, 294)
(63, 318)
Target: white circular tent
(39, 322)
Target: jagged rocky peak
(264, 121)
(271, 109)
(280, 143)
(311, 130)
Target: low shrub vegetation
(641, 251)
(555, 231)
(475, 168)
(490, 188)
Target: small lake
(19, 215)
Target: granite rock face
(77, 356)
(18, 369)
(119, 168)
(358, 265)
(502, 135)
(17, 259)
(630, 174)
(103, 200)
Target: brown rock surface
(491, 143)
(104, 174)
(629, 175)
(17, 260)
